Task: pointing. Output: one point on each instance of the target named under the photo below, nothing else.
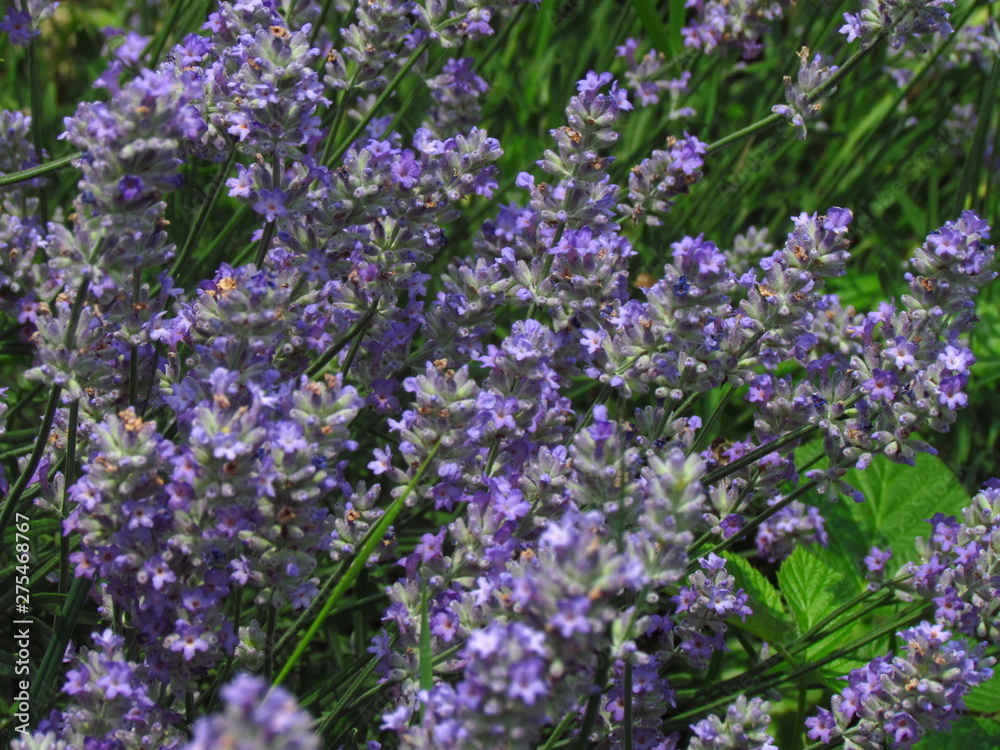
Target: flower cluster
(741, 24)
(901, 22)
(255, 717)
(899, 699)
(499, 451)
(801, 104)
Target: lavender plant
(330, 425)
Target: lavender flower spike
(800, 107)
(256, 720)
(900, 698)
(899, 20)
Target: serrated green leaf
(985, 698)
(769, 620)
(815, 583)
(898, 501)
(967, 733)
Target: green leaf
(966, 733)
(426, 656)
(815, 583)
(985, 698)
(657, 31)
(675, 21)
(898, 501)
(769, 620)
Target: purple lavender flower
(744, 728)
(23, 18)
(736, 23)
(110, 696)
(801, 104)
(902, 22)
(255, 717)
(900, 698)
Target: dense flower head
(256, 716)
(133, 145)
(901, 22)
(741, 24)
(956, 567)
(23, 17)
(110, 697)
(744, 728)
(483, 438)
(801, 104)
(898, 699)
(646, 78)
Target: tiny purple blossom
(880, 385)
(271, 203)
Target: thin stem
(133, 351)
(372, 539)
(680, 720)
(558, 732)
(382, 98)
(342, 99)
(755, 455)
(26, 399)
(34, 80)
(627, 720)
(320, 20)
(42, 169)
(773, 119)
(314, 606)
(354, 331)
(272, 616)
(759, 519)
(17, 491)
(156, 48)
(225, 234)
(201, 219)
(262, 246)
(739, 135)
(70, 478)
(590, 714)
(706, 429)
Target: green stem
(372, 539)
(755, 455)
(272, 616)
(70, 477)
(320, 20)
(382, 98)
(311, 610)
(156, 48)
(590, 714)
(338, 117)
(680, 720)
(133, 352)
(355, 331)
(23, 402)
(773, 119)
(759, 519)
(559, 731)
(627, 741)
(41, 685)
(42, 169)
(706, 429)
(180, 262)
(34, 93)
(265, 242)
(25, 476)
